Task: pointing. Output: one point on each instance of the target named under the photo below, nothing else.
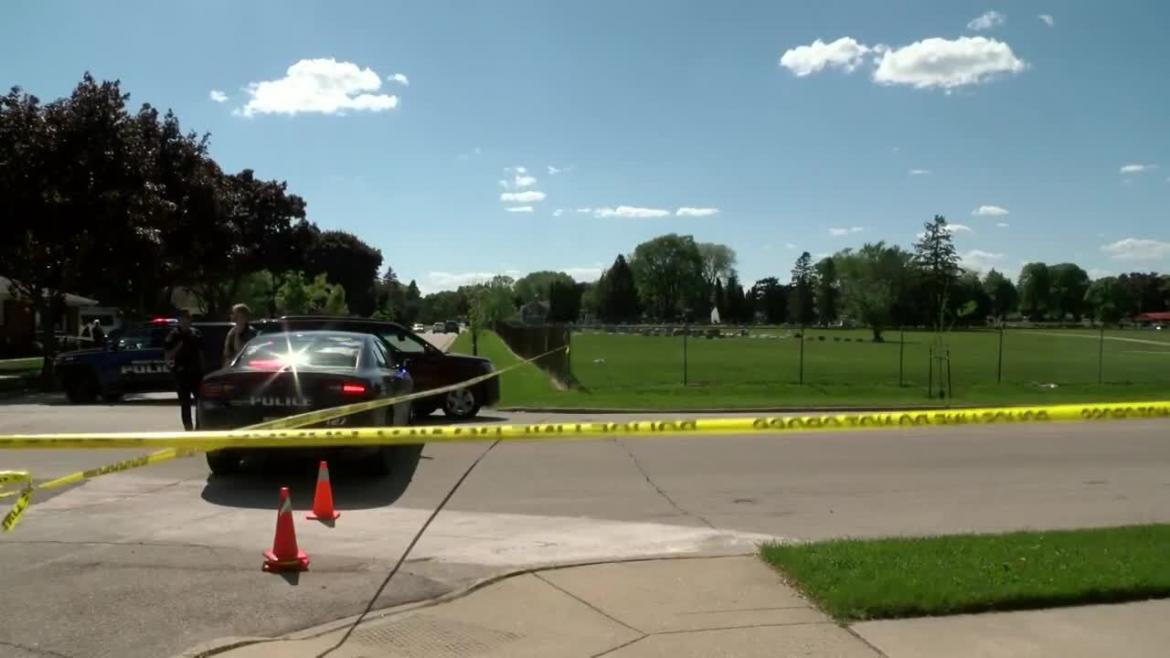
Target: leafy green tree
(564, 301)
(1002, 293)
(937, 261)
(1069, 285)
(718, 262)
(1035, 288)
(335, 301)
(616, 294)
(826, 291)
(668, 272)
(770, 300)
(801, 301)
(348, 261)
(535, 285)
(293, 298)
(869, 279)
(1108, 299)
(1147, 292)
(736, 301)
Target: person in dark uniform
(239, 334)
(183, 349)
(98, 334)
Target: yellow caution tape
(373, 436)
(10, 477)
(300, 420)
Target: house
(19, 322)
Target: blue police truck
(132, 361)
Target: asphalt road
(153, 561)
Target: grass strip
(525, 385)
(856, 580)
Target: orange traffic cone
(284, 555)
(323, 499)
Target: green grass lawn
(842, 368)
(887, 578)
(16, 366)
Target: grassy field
(886, 578)
(526, 385)
(843, 368)
(15, 366)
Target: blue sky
(774, 142)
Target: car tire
(81, 387)
(461, 404)
(224, 462)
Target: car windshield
(278, 351)
(143, 337)
(401, 341)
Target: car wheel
(81, 387)
(224, 462)
(460, 404)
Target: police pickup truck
(131, 362)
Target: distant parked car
(451, 327)
(418, 327)
(438, 327)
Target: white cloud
(979, 260)
(986, 21)
(527, 196)
(503, 183)
(519, 170)
(844, 53)
(523, 181)
(553, 171)
(1136, 168)
(1002, 224)
(839, 232)
(583, 211)
(324, 86)
(1098, 273)
(519, 209)
(989, 211)
(400, 78)
(946, 63)
(789, 245)
(695, 212)
(1137, 249)
(959, 228)
(558, 212)
(631, 212)
(469, 154)
(584, 274)
(1047, 18)
(436, 281)
(218, 96)
(920, 172)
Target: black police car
(288, 373)
(132, 361)
(428, 366)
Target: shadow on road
(440, 419)
(258, 485)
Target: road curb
(222, 645)
(746, 410)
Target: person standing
(183, 349)
(98, 334)
(239, 334)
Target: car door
(393, 384)
(141, 363)
(421, 359)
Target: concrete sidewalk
(702, 607)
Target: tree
(801, 304)
(826, 292)
(970, 303)
(535, 285)
(937, 260)
(869, 279)
(1035, 288)
(488, 304)
(564, 301)
(736, 301)
(718, 262)
(443, 305)
(335, 301)
(349, 262)
(770, 299)
(1002, 293)
(616, 293)
(1108, 299)
(668, 272)
(1069, 285)
(1146, 292)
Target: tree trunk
(877, 335)
(49, 310)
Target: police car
(132, 361)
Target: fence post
(901, 354)
(686, 334)
(1101, 356)
(950, 385)
(999, 357)
(800, 375)
(930, 372)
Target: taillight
(353, 389)
(266, 364)
(214, 390)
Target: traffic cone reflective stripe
(284, 554)
(323, 499)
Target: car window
(404, 342)
(141, 338)
(380, 357)
(275, 351)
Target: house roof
(1156, 316)
(70, 298)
